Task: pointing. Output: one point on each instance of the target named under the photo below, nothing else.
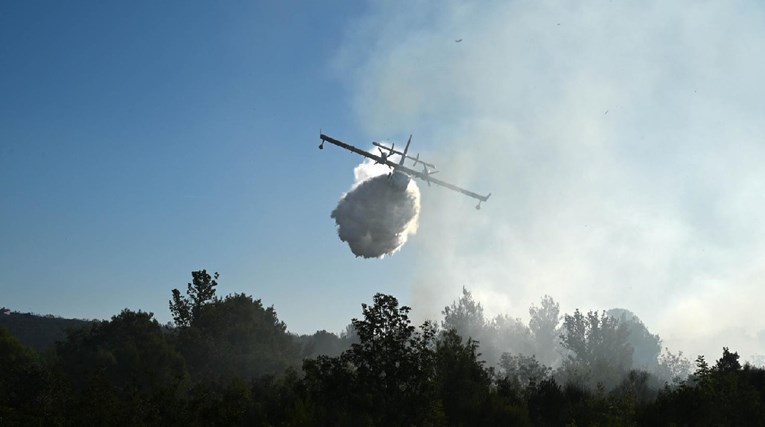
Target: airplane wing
(400, 167)
(374, 157)
(429, 178)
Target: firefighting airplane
(401, 175)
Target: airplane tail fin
(403, 156)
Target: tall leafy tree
(463, 384)
(728, 362)
(384, 379)
(523, 371)
(673, 368)
(393, 359)
(465, 316)
(506, 334)
(237, 337)
(598, 348)
(646, 346)
(187, 309)
(544, 323)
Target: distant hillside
(36, 331)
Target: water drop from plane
(376, 217)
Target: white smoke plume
(375, 218)
(623, 142)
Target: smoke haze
(622, 141)
(375, 218)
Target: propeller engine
(427, 172)
(385, 155)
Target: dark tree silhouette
(201, 291)
(117, 366)
(242, 371)
(385, 379)
(25, 389)
(523, 371)
(728, 362)
(236, 337)
(725, 394)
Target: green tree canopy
(598, 348)
(465, 316)
(24, 382)
(187, 309)
(236, 337)
(117, 366)
(385, 378)
(646, 346)
(130, 351)
(544, 324)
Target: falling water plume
(376, 217)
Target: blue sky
(144, 141)
(622, 142)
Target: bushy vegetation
(230, 361)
